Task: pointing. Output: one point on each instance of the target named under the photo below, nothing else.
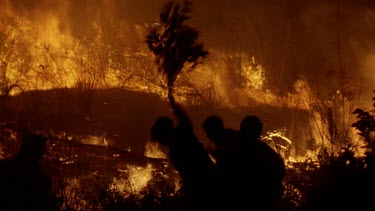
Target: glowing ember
(95, 140)
(139, 176)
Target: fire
(278, 141)
(138, 177)
(95, 140)
(52, 58)
(43, 53)
(153, 150)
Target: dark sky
(291, 38)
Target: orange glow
(54, 59)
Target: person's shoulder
(230, 131)
(263, 145)
(7, 163)
(231, 135)
(4, 161)
(8, 167)
(265, 148)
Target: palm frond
(174, 43)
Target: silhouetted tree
(173, 42)
(366, 127)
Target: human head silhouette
(213, 126)
(251, 127)
(162, 130)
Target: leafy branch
(173, 42)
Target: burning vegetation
(95, 96)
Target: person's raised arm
(182, 117)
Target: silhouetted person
(225, 176)
(250, 173)
(268, 167)
(187, 155)
(220, 136)
(23, 184)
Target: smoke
(323, 41)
